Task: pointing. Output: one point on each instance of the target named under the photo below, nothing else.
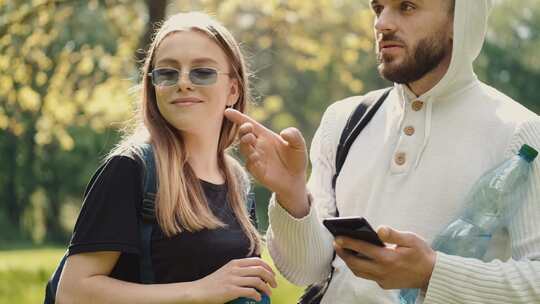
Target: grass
(286, 293)
(24, 273)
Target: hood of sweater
(470, 26)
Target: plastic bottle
(492, 202)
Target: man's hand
(277, 161)
(407, 263)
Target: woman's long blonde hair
(180, 201)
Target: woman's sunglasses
(198, 76)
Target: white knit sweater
(462, 129)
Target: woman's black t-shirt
(109, 218)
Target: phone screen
(354, 227)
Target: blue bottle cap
(528, 153)
(265, 300)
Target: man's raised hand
(278, 161)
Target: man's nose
(385, 23)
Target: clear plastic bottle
(492, 202)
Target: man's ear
(234, 93)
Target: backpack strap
(355, 124)
(251, 208)
(247, 190)
(147, 214)
(52, 284)
(359, 119)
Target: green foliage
(9, 233)
(510, 60)
(62, 64)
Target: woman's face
(196, 101)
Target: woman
(203, 248)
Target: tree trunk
(156, 13)
(12, 199)
(53, 187)
(55, 233)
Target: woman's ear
(234, 93)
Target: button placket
(410, 136)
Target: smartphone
(355, 227)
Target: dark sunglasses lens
(165, 77)
(203, 76)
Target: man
(438, 131)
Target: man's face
(413, 37)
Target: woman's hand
(238, 278)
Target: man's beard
(427, 55)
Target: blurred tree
(156, 13)
(64, 69)
(510, 60)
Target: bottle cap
(528, 153)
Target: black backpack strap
(248, 195)
(355, 124)
(147, 214)
(52, 284)
(251, 209)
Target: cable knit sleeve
(458, 280)
(302, 248)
